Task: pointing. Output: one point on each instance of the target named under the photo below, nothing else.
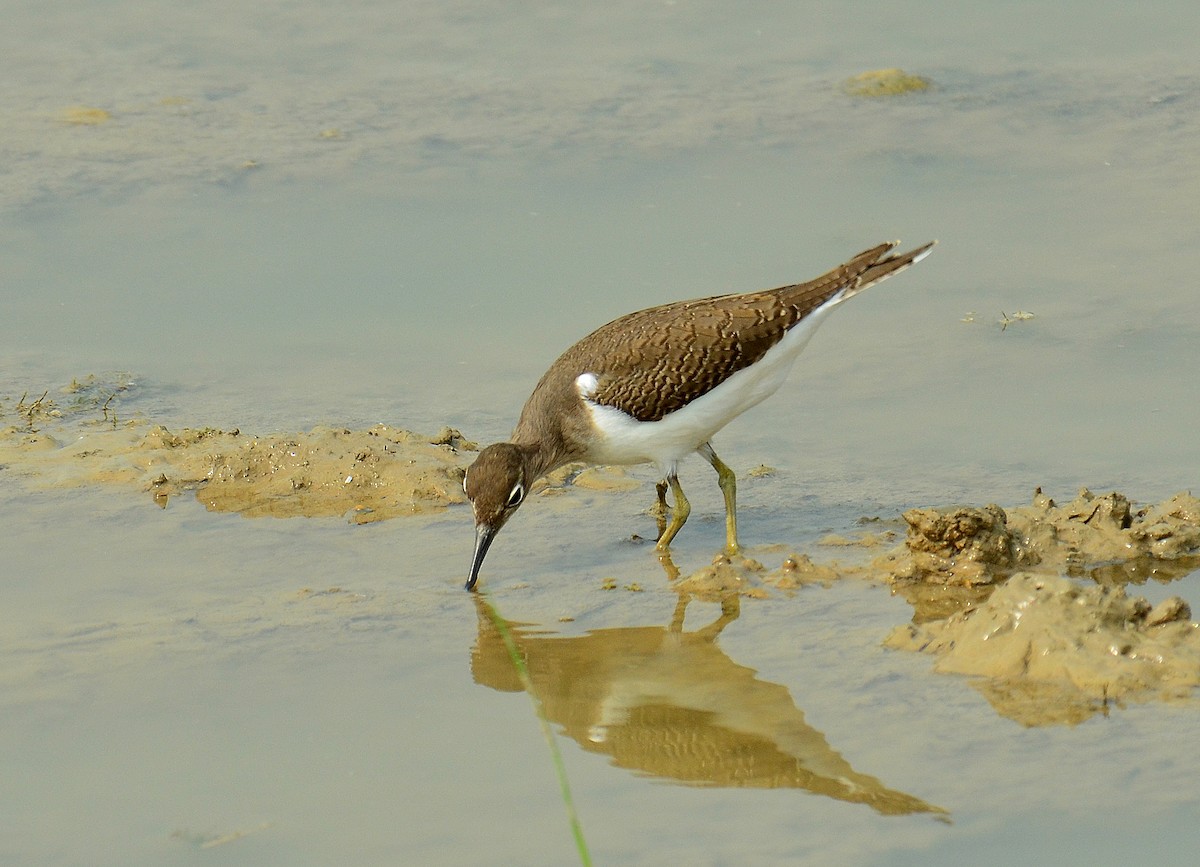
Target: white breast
(625, 440)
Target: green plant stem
(547, 733)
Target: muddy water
(258, 244)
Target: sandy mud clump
(747, 577)
(953, 557)
(1092, 531)
(368, 475)
(1032, 601)
(963, 546)
(971, 546)
(1049, 649)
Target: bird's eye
(516, 496)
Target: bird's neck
(553, 429)
(540, 455)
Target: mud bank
(76, 438)
(368, 475)
(1030, 602)
(1047, 649)
(1103, 537)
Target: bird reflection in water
(671, 704)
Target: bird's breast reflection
(672, 705)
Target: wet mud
(367, 475)
(1047, 649)
(1030, 602)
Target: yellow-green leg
(660, 509)
(679, 513)
(728, 482)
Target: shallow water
(310, 216)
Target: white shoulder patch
(586, 384)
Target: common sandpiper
(655, 385)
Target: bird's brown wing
(655, 361)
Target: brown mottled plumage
(658, 360)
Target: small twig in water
(104, 409)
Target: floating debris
(82, 115)
(884, 82)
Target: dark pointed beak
(483, 539)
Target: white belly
(625, 440)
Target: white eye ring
(516, 495)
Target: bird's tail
(874, 265)
(850, 278)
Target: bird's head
(496, 485)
